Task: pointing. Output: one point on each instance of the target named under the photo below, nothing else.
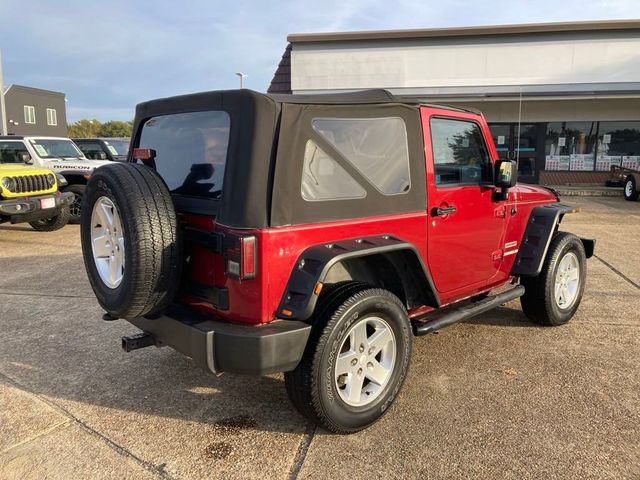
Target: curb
(565, 191)
(589, 193)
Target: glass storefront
(505, 137)
(618, 144)
(569, 146)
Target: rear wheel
(75, 209)
(552, 297)
(356, 359)
(630, 189)
(52, 224)
(133, 261)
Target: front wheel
(552, 297)
(75, 209)
(356, 359)
(630, 189)
(52, 224)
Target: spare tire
(130, 240)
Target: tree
(84, 129)
(115, 128)
(93, 128)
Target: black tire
(52, 224)
(152, 246)
(311, 386)
(630, 189)
(538, 302)
(75, 209)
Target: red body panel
(466, 253)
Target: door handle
(442, 211)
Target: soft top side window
(459, 153)
(376, 147)
(324, 179)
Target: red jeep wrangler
(316, 235)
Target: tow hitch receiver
(139, 340)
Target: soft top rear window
(191, 150)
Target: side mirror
(101, 156)
(506, 174)
(26, 158)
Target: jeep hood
(9, 170)
(78, 163)
(532, 193)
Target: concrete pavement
(495, 397)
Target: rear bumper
(29, 209)
(224, 347)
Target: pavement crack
(303, 448)
(618, 272)
(37, 294)
(159, 470)
(42, 433)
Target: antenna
(518, 138)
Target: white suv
(62, 156)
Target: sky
(109, 56)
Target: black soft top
(266, 145)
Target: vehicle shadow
(74, 359)
(97, 382)
(502, 317)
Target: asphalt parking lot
(495, 397)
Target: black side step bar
(468, 311)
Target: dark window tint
(91, 150)
(377, 147)
(191, 150)
(459, 154)
(118, 147)
(619, 138)
(12, 152)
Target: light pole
(3, 110)
(242, 77)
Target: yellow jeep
(30, 194)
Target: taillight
(240, 256)
(143, 154)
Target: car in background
(113, 149)
(30, 194)
(62, 156)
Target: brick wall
(549, 177)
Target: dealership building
(571, 90)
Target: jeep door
(465, 223)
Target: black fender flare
(301, 293)
(542, 225)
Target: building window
(52, 117)
(571, 146)
(29, 114)
(618, 144)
